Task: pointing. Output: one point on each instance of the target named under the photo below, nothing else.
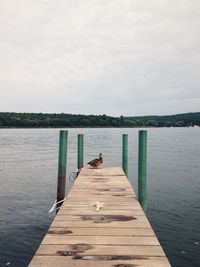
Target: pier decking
(117, 235)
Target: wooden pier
(117, 235)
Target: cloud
(95, 56)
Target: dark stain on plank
(125, 265)
(81, 247)
(112, 190)
(66, 253)
(118, 195)
(60, 232)
(109, 258)
(76, 248)
(107, 218)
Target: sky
(114, 57)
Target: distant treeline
(10, 119)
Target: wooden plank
(77, 211)
(98, 217)
(98, 192)
(99, 250)
(95, 193)
(100, 240)
(46, 261)
(134, 224)
(117, 235)
(106, 199)
(119, 190)
(95, 187)
(99, 186)
(90, 207)
(92, 201)
(101, 231)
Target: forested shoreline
(53, 120)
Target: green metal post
(80, 150)
(62, 163)
(142, 170)
(125, 153)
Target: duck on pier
(95, 163)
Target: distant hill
(35, 120)
(177, 120)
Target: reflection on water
(28, 173)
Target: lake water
(28, 179)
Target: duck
(95, 163)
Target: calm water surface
(28, 176)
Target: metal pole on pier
(142, 170)
(80, 150)
(62, 163)
(125, 153)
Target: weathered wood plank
(105, 199)
(100, 240)
(120, 190)
(99, 218)
(46, 261)
(70, 211)
(90, 207)
(106, 192)
(134, 224)
(101, 231)
(99, 250)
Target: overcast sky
(114, 57)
